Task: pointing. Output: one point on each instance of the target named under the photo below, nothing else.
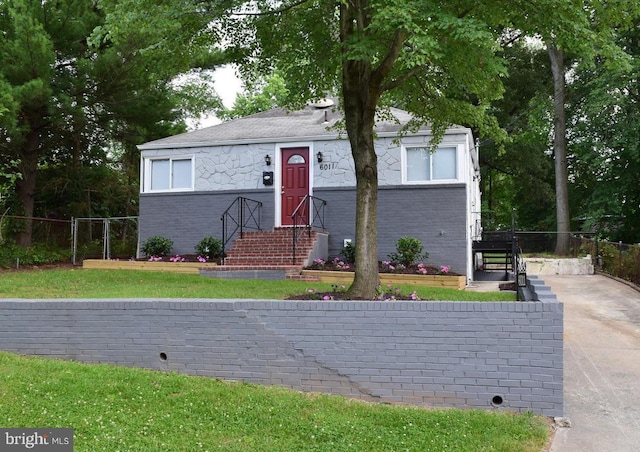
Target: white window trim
(404, 159)
(146, 173)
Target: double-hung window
(168, 174)
(425, 165)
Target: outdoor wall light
(320, 157)
(267, 160)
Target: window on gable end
(422, 165)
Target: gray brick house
(276, 157)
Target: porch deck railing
(308, 214)
(243, 213)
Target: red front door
(295, 181)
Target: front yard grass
(85, 283)
(114, 408)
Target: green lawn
(84, 283)
(121, 409)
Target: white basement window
(423, 165)
(167, 174)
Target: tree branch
(400, 80)
(385, 66)
(273, 11)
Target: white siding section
(240, 167)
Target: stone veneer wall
(447, 354)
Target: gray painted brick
(452, 354)
(196, 215)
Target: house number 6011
(328, 166)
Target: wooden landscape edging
(192, 268)
(453, 282)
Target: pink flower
(326, 297)
(444, 269)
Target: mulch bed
(342, 296)
(383, 267)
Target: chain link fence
(104, 238)
(49, 232)
(78, 238)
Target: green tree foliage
(438, 60)
(522, 184)
(593, 34)
(79, 82)
(517, 174)
(605, 138)
(261, 96)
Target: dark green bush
(348, 253)
(157, 246)
(210, 248)
(12, 255)
(408, 251)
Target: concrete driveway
(601, 364)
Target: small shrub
(408, 251)
(157, 246)
(209, 248)
(349, 253)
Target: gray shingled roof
(271, 126)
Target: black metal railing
(243, 213)
(308, 214)
(520, 268)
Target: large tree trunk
(560, 150)
(360, 99)
(26, 186)
(359, 122)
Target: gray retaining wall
(445, 354)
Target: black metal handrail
(520, 269)
(247, 216)
(302, 221)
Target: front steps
(269, 255)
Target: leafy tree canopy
(266, 94)
(438, 60)
(78, 76)
(605, 140)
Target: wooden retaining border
(451, 282)
(192, 268)
(197, 268)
